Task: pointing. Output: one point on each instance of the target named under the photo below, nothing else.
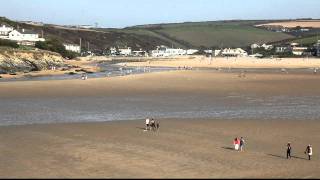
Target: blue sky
(122, 13)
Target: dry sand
(293, 24)
(183, 148)
(231, 62)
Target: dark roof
(26, 31)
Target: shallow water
(16, 111)
(107, 70)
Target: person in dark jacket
(289, 150)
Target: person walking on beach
(158, 125)
(309, 151)
(153, 124)
(147, 123)
(289, 150)
(241, 143)
(236, 144)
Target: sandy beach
(230, 62)
(183, 147)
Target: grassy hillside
(97, 39)
(185, 35)
(216, 33)
(307, 40)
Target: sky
(124, 13)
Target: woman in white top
(147, 123)
(309, 151)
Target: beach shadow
(284, 157)
(141, 128)
(296, 157)
(228, 148)
(278, 156)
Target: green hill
(215, 34)
(237, 33)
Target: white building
(234, 52)
(282, 49)
(4, 30)
(208, 51)
(267, 47)
(139, 53)
(113, 51)
(125, 51)
(217, 52)
(164, 51)
(298, 50)
(23, 37)
(72, 47)
(254, 46)
(191, 51)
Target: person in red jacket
(236, 143)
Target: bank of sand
(182, 148)
(230, 62)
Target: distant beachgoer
(158, 125)
(236, 144)
(152, 123)
(147, 123)
(315, 71)
(309, 151)
(241, 143)
(289, 150)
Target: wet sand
(182, 148)
(207, 82)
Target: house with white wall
(234, 52)
(4, 30)
(192, 51)
(164, 51)
(23, 37)
(72, 47)
(299, 50)
(125, 51)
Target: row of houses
(164, 51)
(21, 36)
(296, 49)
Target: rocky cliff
(12, 60)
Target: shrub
(56, 46)
(4, 42)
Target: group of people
(308, 151)
(152, 124)
(239, 146)
(238, 143)
(84, 76)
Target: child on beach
(309, 151)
